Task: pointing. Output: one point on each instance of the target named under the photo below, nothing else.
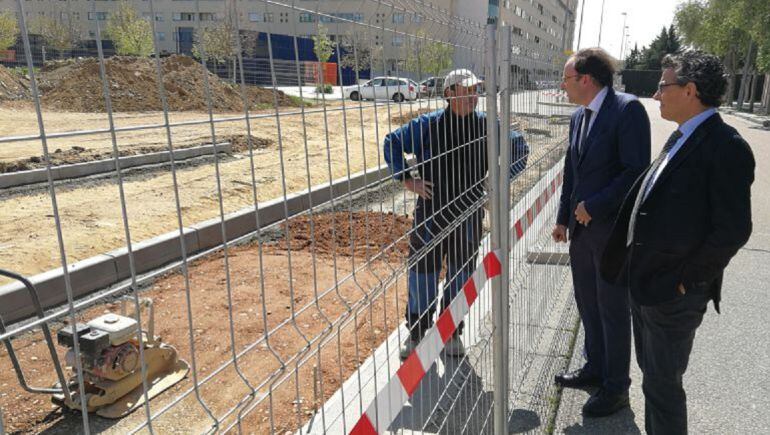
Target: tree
(659, 47)
(673, 42)
(219, 42)
(428, 57)
(323, 49)
(737, 30)
(131, 34)
(9, 30)
(360, 52)
(633, 58)
(59, 34)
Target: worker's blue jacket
(451, 152)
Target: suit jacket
(694, 219)
(616, 151)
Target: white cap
(463, 77)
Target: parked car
(391, 88)
(432, 87)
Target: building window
(256, 17)
(184, 16)
(540, 8)
(101, 16)
(398, 18)
(161, 36)
(417, 18)
(158, 16)
(337, 17)
(306, 17)
(207, 16)
(398, 40)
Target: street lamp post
(580, 29)
(622, 34)
(627, 39)
(601, 21)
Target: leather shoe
(578, 379)
(604, 403)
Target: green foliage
(648, 58)
(429, 58)
(325, 89)
(131, 33)
(633, 58)
(360, 52)
(9, 29)
(217, 42)
(60, 35)
(322, 45)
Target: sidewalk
(756, 118)
(727, 381)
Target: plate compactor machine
(110, 354)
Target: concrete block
(85, 276)
(77, 170)
(155, 252)
(21, 178)
(209, 232)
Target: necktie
(584, 129)
(646, 183)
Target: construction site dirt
(287, 279)
(326, 145)
(91, 218)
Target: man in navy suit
(678, 229)
(609, 148)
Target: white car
(390, 88)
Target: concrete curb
(103, 270)
(77, 170)
(756, 119)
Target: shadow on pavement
(620, 423)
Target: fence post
(493, 152)
(505, 191)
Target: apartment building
(543, 29)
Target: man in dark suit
(677, 230)
(609, 148)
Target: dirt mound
(240, 143)
(407, 116)
(12, 85)
(333, 232)
(75, 86)
(77, 154)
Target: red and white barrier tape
(392, 397)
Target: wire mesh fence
(299, 221)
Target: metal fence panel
(221, 243)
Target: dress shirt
(687, 128)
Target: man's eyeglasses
(565, 78)
(662, 85)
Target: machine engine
(109, 346)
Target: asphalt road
(727, 381)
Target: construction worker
(451, 162)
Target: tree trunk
(766, 94)
(745, 76)
(752, 89)
(731, 66)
